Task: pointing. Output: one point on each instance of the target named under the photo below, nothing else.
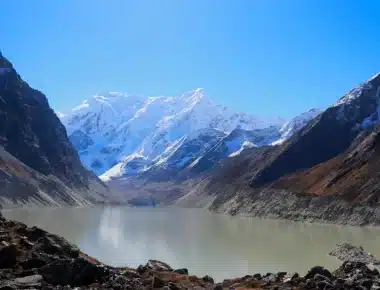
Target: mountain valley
(318, 166)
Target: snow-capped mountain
(296, 124)
(118, 134)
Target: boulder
(158, 266)
(8, 255)
(319, 270)
(29, 281)
(351, 253)
(76, 272)
(208, 279)
(157, 283)
(182, 271)
(56, 246)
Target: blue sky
(267, 57)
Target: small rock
(73, 272)
(34, 262)
(281, 275)
(141, 269)
(121, 280)
(158, 266)
(131, 274)
(35, 233)
(367, 283)
(182, 271)
(208, 279)
(339, 282)
(7, 287)
(257, 276)
(29, 279)
(318, 270)
(324, 285)
(24, 241)
(157, 282)
(8, 254)
(310, 284)
(319, 277)
(287, 280)
(173, 286)
(349, 282)
(5, 243)
(271, 278)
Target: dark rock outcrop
(41, 157)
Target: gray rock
(158, 283)
(8, 254)
(257, 276)
(73, 272)
(367, 283)
(319, 270)
(29, 280)
(319, 277)
(173, 286)
(158, 266)
(7, 287)
(182, 271)
(348, 252)
(208, 279)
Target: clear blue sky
(268, 57)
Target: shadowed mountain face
(31, 132)
(330, 134)
(327, 136)
(353, 175)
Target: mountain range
(119, 135)
(327, 171)
(191, 152)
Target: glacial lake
(205, 243)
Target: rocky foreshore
(31, 258)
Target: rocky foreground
(31, 258)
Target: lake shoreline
(284, 205)
(35, 259)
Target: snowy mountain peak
(356, 92)
(141, 132)
(296, 124)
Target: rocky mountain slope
(327, 171)
(120, 135)
(38, 163)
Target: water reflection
(110, 227)
(218, 245)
